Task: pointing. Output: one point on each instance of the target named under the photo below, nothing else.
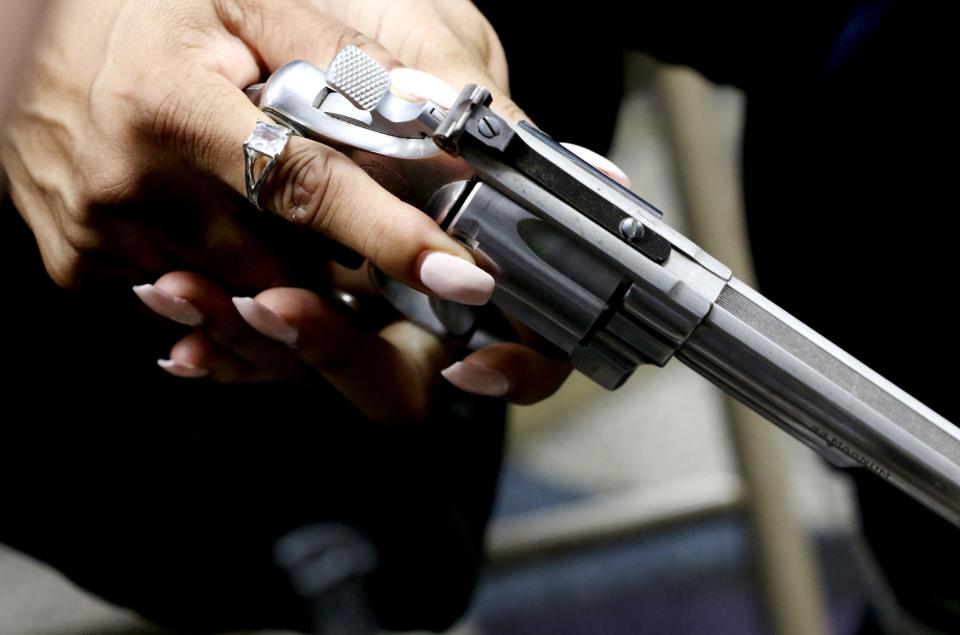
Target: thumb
(414, 84)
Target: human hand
(124, 153)
(388, 367)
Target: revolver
(592, 268)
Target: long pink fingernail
(455, 279)
(266, 321)
(478, 380)
(169, 305)
(182, 369)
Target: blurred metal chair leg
(708, 181)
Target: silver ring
(267, 140)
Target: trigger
(458, 320)
(442, 318)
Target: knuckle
(240, 16)
(310, 191)
(506, 108)
(82, 240)
(174, 118)
(338, 36)
(109, 185)
(373, 242)
(77, 208)
(349, 37)
(100, 186)
(109, 166)
(155, 108)
(64, 268)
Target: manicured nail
(415, 85)
(600, 162)
(455, 279)
(266, 321)
(182, 369)
(478, 380)
(169, 305)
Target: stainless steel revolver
(591, 267)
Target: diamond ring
(267, 141)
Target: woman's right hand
(124, 153)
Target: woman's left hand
(285, 333)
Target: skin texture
(16, 32)
(123, 154)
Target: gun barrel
(812, 389)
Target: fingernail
(455, 279)
(600, 162)
(478, 380)
(169, 305)
(266, 321)
(182, 369)
(415, 85)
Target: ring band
(267, 140)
